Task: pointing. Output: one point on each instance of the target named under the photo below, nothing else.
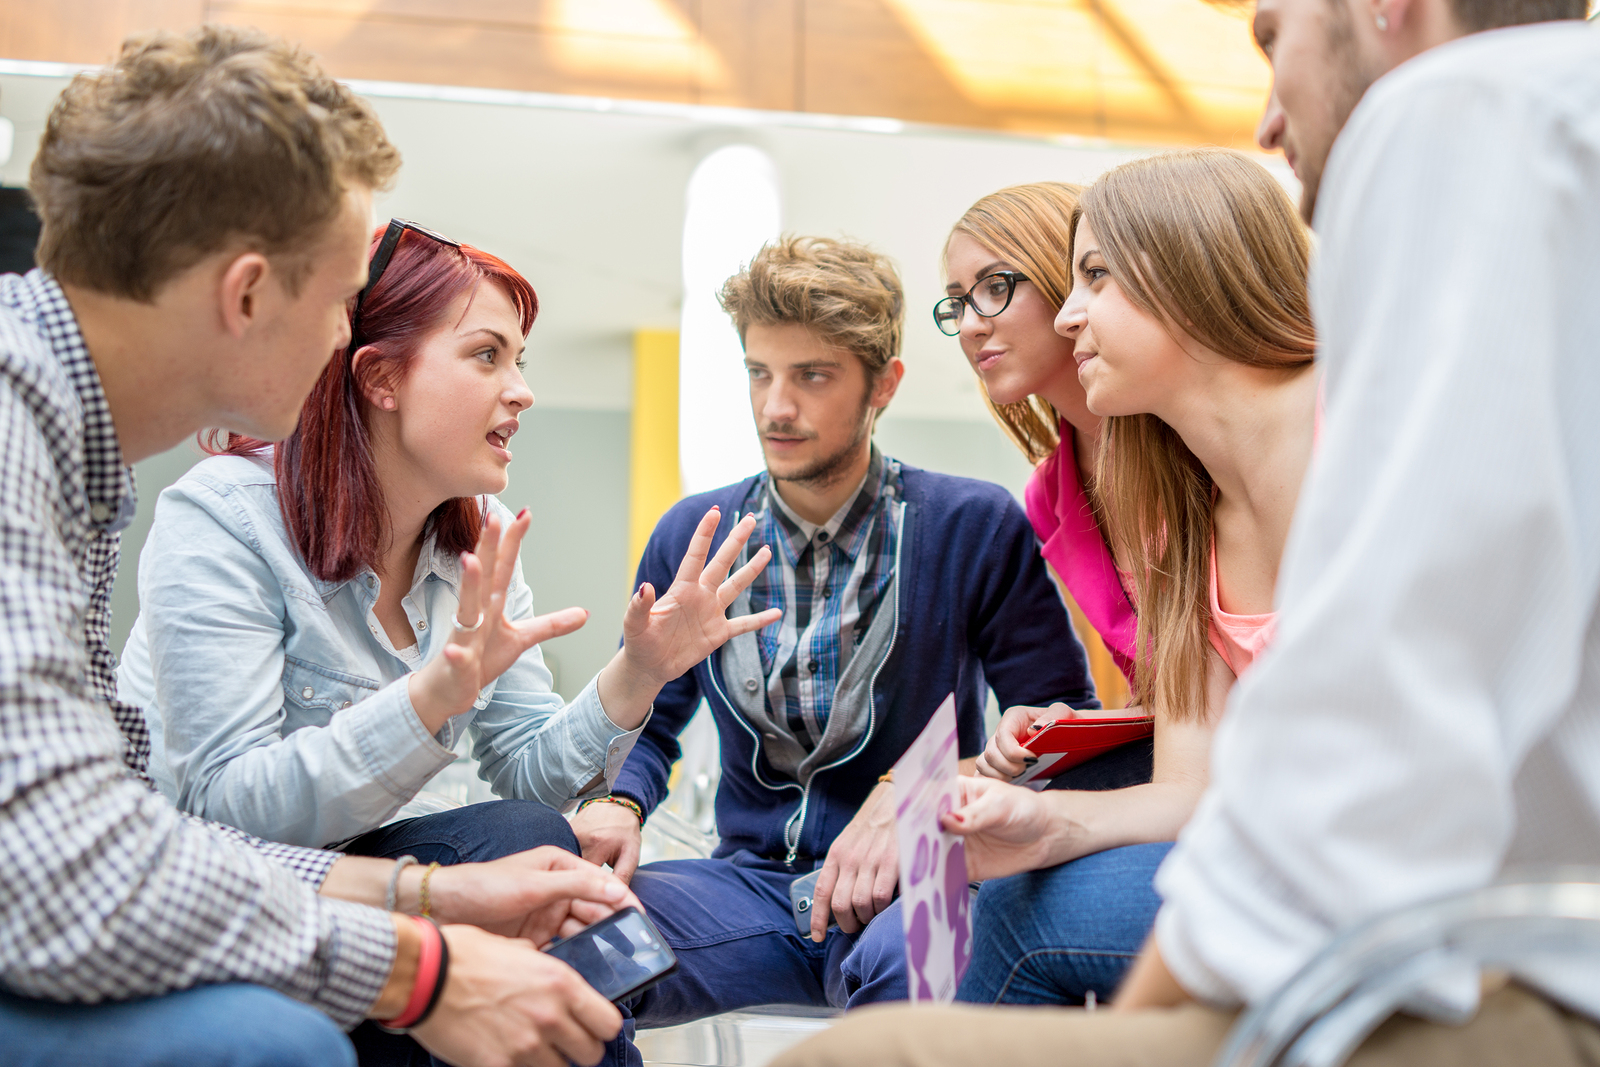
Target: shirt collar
(107, 480)
(432, 561)
(848, 527)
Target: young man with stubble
(899, 586)
(207, 206)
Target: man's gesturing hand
(538, 895)
(609, 833)
(862, 868)
(506, 1003)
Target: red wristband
(427, 977)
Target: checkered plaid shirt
(828, 580)
(106, 891)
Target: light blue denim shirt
(276, 701)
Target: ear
(887, 383)
(377, 392)
(243, 283)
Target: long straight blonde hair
(1030, 227)
(1206, 241)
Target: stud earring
(388, 403)
(1383, 22)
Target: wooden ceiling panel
(1146, 70)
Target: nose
(973, 325)
(1269, 132)
(341, 334)
(518, 396)
(778, 405)
(1073, 316)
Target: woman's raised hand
(483, 642)
(664, 637)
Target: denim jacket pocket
(321, 688)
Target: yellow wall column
(654, 481)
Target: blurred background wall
(562, 135)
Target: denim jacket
(276, 701)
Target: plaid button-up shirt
(828, 580)
(106, 891)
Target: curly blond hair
(846, 291)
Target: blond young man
(898, 587)
(1400, 743)
(206, 208)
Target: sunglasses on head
(380, 262)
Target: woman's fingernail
(1029, 761)
(522, 514)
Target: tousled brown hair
(847, 292)
(1207, 242)
(1030, 227)
(189, 143)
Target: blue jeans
(731, 925)
(473, 834)
(1052, 936)
(208, 1026)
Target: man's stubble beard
(1350, 84)
(830, 468)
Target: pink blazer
(1064, 520)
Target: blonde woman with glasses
(1177, 379)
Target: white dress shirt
(1429, 716)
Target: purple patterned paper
(934, 901)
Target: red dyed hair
(328, 485)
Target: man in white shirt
(1430, 714)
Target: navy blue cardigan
(977, 608)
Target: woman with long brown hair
(1191, 336)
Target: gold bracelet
(886, 776)
(427, 905)
(631, 805)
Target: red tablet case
(1066, 743)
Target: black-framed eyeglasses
(380, 262)
(988, 297)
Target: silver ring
(456, 622)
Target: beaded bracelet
(631, 805)
(422, 896)
(433, 966)
(391, 899)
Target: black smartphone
(621, 955)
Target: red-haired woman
(320, 622)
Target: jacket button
(308, 692)
(813, 666)
(422, 625)
(346, 704)
(751, 685)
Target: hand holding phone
(802, 894)
(621, 956)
